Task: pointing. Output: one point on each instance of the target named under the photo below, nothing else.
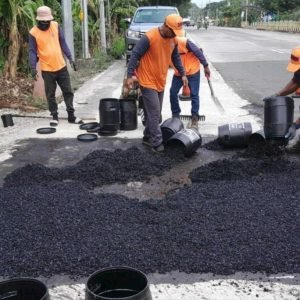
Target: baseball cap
(175, 22)
(294, 64)
(44, 13)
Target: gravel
(240, 214)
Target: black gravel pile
(222, 225)
(241, 168)
(99, 168)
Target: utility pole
(246, 13)
(84, 27)
(102, 26)
(68, 25)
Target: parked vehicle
(144, 19)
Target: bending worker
(47, 45)
(151, 58)
(294, 66)
(191, 57)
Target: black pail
(109, 114)
(7, 120)
(278, 116)
(118, 283)
(234, 134)
(189, 138)
(169, 127)
(128, 109)
(23, 289)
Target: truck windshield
(154, 15)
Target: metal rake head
(189, 117)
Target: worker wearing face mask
(48, 46)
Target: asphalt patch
(244, 216)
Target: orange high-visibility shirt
(153, 67)
(189, 61)
(48, 48)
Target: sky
(202, 3)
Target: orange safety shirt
(189, 61)
(48, 48)
(154, 64)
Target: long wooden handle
(215, 99)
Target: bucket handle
(8, 295)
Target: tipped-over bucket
(234, 134)
(23, 289)
(118, 283)
(169, 127)
(189, 139)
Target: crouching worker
(47, 45)
(292, 86)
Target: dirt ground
(17, 94)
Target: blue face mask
(43, 25)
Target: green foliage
(117, 47)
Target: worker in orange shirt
(47, 45)
(151, 58)
(192, 58)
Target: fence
(286, 26)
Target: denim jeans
(194, 85)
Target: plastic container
(128, 109)
(169, 127)
(189, 138)
(109, 109)
(278, 116)
(23, 289)
(7, 120)
(234, 134)
(118, 283)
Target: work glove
(291, 132)
(73, 65)
(185, 80)
(34, 74)
(207, 72)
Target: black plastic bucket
(169, 127)
(109, 114)
(118, 283)
(23, 289)
(128, 109)
(7, 120)
(278, 116)
(189, 138)
(234, 134)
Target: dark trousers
(152, 103)
(62, 78)
(194, 85)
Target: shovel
(215, 99)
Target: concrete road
(252, 62)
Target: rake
(189, 117)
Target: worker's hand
(34, 74)
(291, 132)
(130, 82)
(73, 65)
(185, 80)
(207, 72)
